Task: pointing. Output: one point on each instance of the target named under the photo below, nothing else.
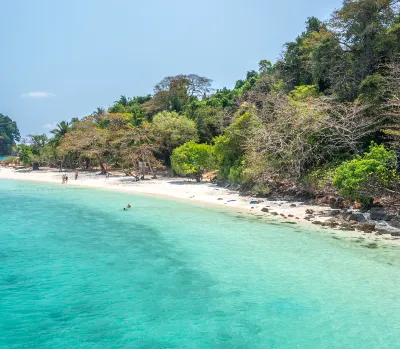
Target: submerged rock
(371, 245)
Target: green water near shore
(76, 271)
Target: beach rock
(275, 213)
(309, 211)
(395, 222)
(335, 213)
(318, 223)
(290, 216)
(380, 214)
(356, 217)
(293, 205)
(220, 199)
(395, 233)
(265, 209)
(347, 226)
(336, 203)
(384, 230)
(366, 227)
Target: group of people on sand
(64, 179)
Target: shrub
(192, 159)
(358, 178)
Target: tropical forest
(322, 119)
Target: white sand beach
(202, 193)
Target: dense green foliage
(9, 134)
(335, 89)
(193, 159)
(375, 168)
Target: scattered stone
(290, 216)
(335, 213)
(383, 230)
(309, 211)
(293, 205)
(265, 209)
(297, 218)
(379, 214)
(395, 233)
(356, 217)
(289, 222)
(395, 222)
(220, 199)
(275, 213)
(336, 203)
(318, 223)
(366, 227)
(347, 226)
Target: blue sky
(62, 59)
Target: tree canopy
(9, 134)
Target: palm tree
(62, 128)
(99, 111)
(123, 101)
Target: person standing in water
(66, 179)
(76, 174)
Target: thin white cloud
(37, 94)
(49, 126)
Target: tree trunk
(152, 172)
(103, 169)
(35, 166)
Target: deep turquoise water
(78, 272)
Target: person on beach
(107, 174)
(76, 174)
(66, 179)
(63, 179)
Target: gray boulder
(355, 217)
(366, 227)
(395, 222)
(335, 213)
(380, 214)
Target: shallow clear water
(78, 272)
(2, 157)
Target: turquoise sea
(76, 271)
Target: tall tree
(9, 134)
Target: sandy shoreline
(202, 193)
